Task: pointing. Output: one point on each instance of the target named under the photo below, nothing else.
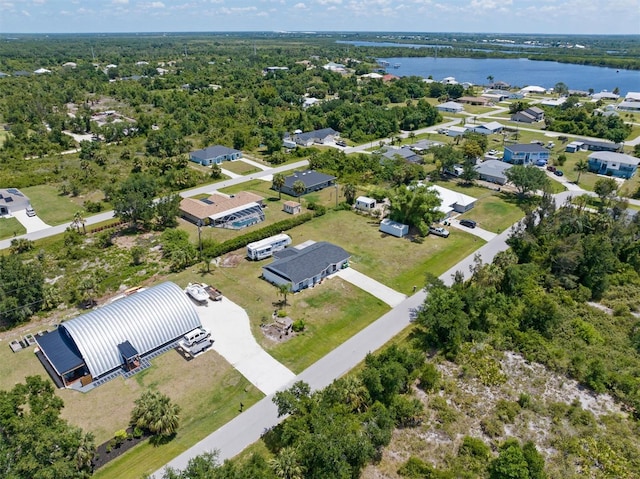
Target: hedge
(262, 233)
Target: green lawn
(52, 208)
(11, 227)
(239, 167)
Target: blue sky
(500, 16)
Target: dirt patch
(275, 333)
(129, 241)
(231, 260)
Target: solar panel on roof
(207, 201)
(8, 199)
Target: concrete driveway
(31, 223)
(484, 234)
(230, 330)
(371, 286)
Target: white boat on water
(197, 292)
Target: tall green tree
(298, 187)
(133, 200)
(35, 443)
(349, 192)
(21, 289)
(416, 206)
(526, 179)
(581, 167)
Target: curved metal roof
(147, 319)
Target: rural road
(107, 215)
(246, 428)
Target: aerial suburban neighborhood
(289, 255)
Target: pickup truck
(214, 293)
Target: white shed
(394, 228)
(365, 203)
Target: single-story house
(553, 101)
(474, 100)
(629, 105)
(613, 164)
(291, 207)
(493, 171)
(575, 146)
(526, 154)
(311, 137)
(224, 211)
(605, 95)
(365, 203)
(632, 96)
(313, 181)
(118, 336)
(495, 96)
(532, 89)
(529, 115)
(456, 131)
(450, 107)
(214, 154)
(12, 200)
(305, 265)
(404, 152)
(309, 102)
(500, 85)
(596, 145)
(486, 128)
(422, 146)
(453, 201)
(394, 228)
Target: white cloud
(120, 2)
(25, 13)
(300, 6)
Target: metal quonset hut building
(113, 336)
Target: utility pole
(199, 224)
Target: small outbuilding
(365, 203)
(394, 228)
(292, 207)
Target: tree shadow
(272, 438)
(160, 440)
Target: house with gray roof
(313, 181)
(613, 164)
(309, 138)
(12, 200)
(493, 171)
(596, 145)
(405, 153)
(214, 154)
(305, 265)
(528, 115)
(450, 107)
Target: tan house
(292, 207)
(474, 100)
(224, 211)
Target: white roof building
(533, 89)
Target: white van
(196, 336)
(30, 211)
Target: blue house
(526, 154)
(613, 164)
(214, 154)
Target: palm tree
(490, 78)
(349, 192)
(284, 290)
(581, 167)
(84, 454)
(278, 183)
(78, 220)
(285, 464)
(156, 413)
(299, 187)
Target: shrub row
(262, 233)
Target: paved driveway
(230, 330)
(371, 286)
(484, 234)
(31, 223)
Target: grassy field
(11, 227)
(50, 206)
(239, 167)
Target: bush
(474, 447)
(282, 313)
(120, 436)
(415, 468)
(507, 410)
(93, 206)
(491, 427)
(298, 326)
(429, 377)
(137, 432)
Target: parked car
(438, 231)
(551, 168)
(341, 143)
(468, 223)
(30, 211)
(558, 173)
